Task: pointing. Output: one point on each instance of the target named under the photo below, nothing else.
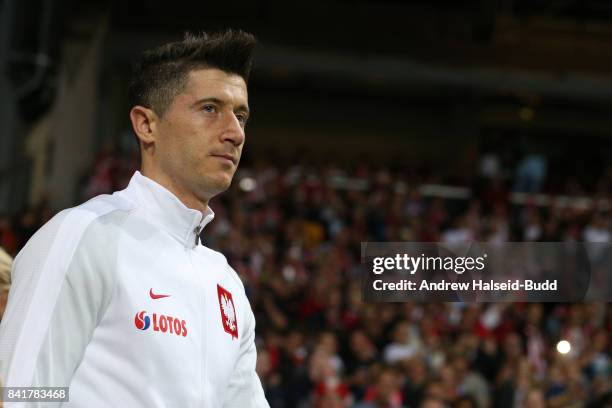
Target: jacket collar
(164, 209)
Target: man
(117, 298)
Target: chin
(223, 183)
(212, 181)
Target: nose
(233, 132)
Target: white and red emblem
(228, 312)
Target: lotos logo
(142, 321)
(161, 323)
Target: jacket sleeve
(245, 390)
(60, 288)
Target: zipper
(204, 394)
(197, 231)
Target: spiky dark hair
(161, 73)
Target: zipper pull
(197, 234)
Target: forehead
(212, 82)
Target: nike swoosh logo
(154, 296)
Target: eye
(209, 108)
(242, 118)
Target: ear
(144, 123)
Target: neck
(186, 197)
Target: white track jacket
(117, 299)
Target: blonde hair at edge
(5, 270)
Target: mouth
(225, 157)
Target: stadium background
(372, 121)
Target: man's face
(200, 137)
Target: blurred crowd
(293, 231)
(294, 235)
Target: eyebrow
(240, 108)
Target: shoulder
(63, 233)
(71, 249)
